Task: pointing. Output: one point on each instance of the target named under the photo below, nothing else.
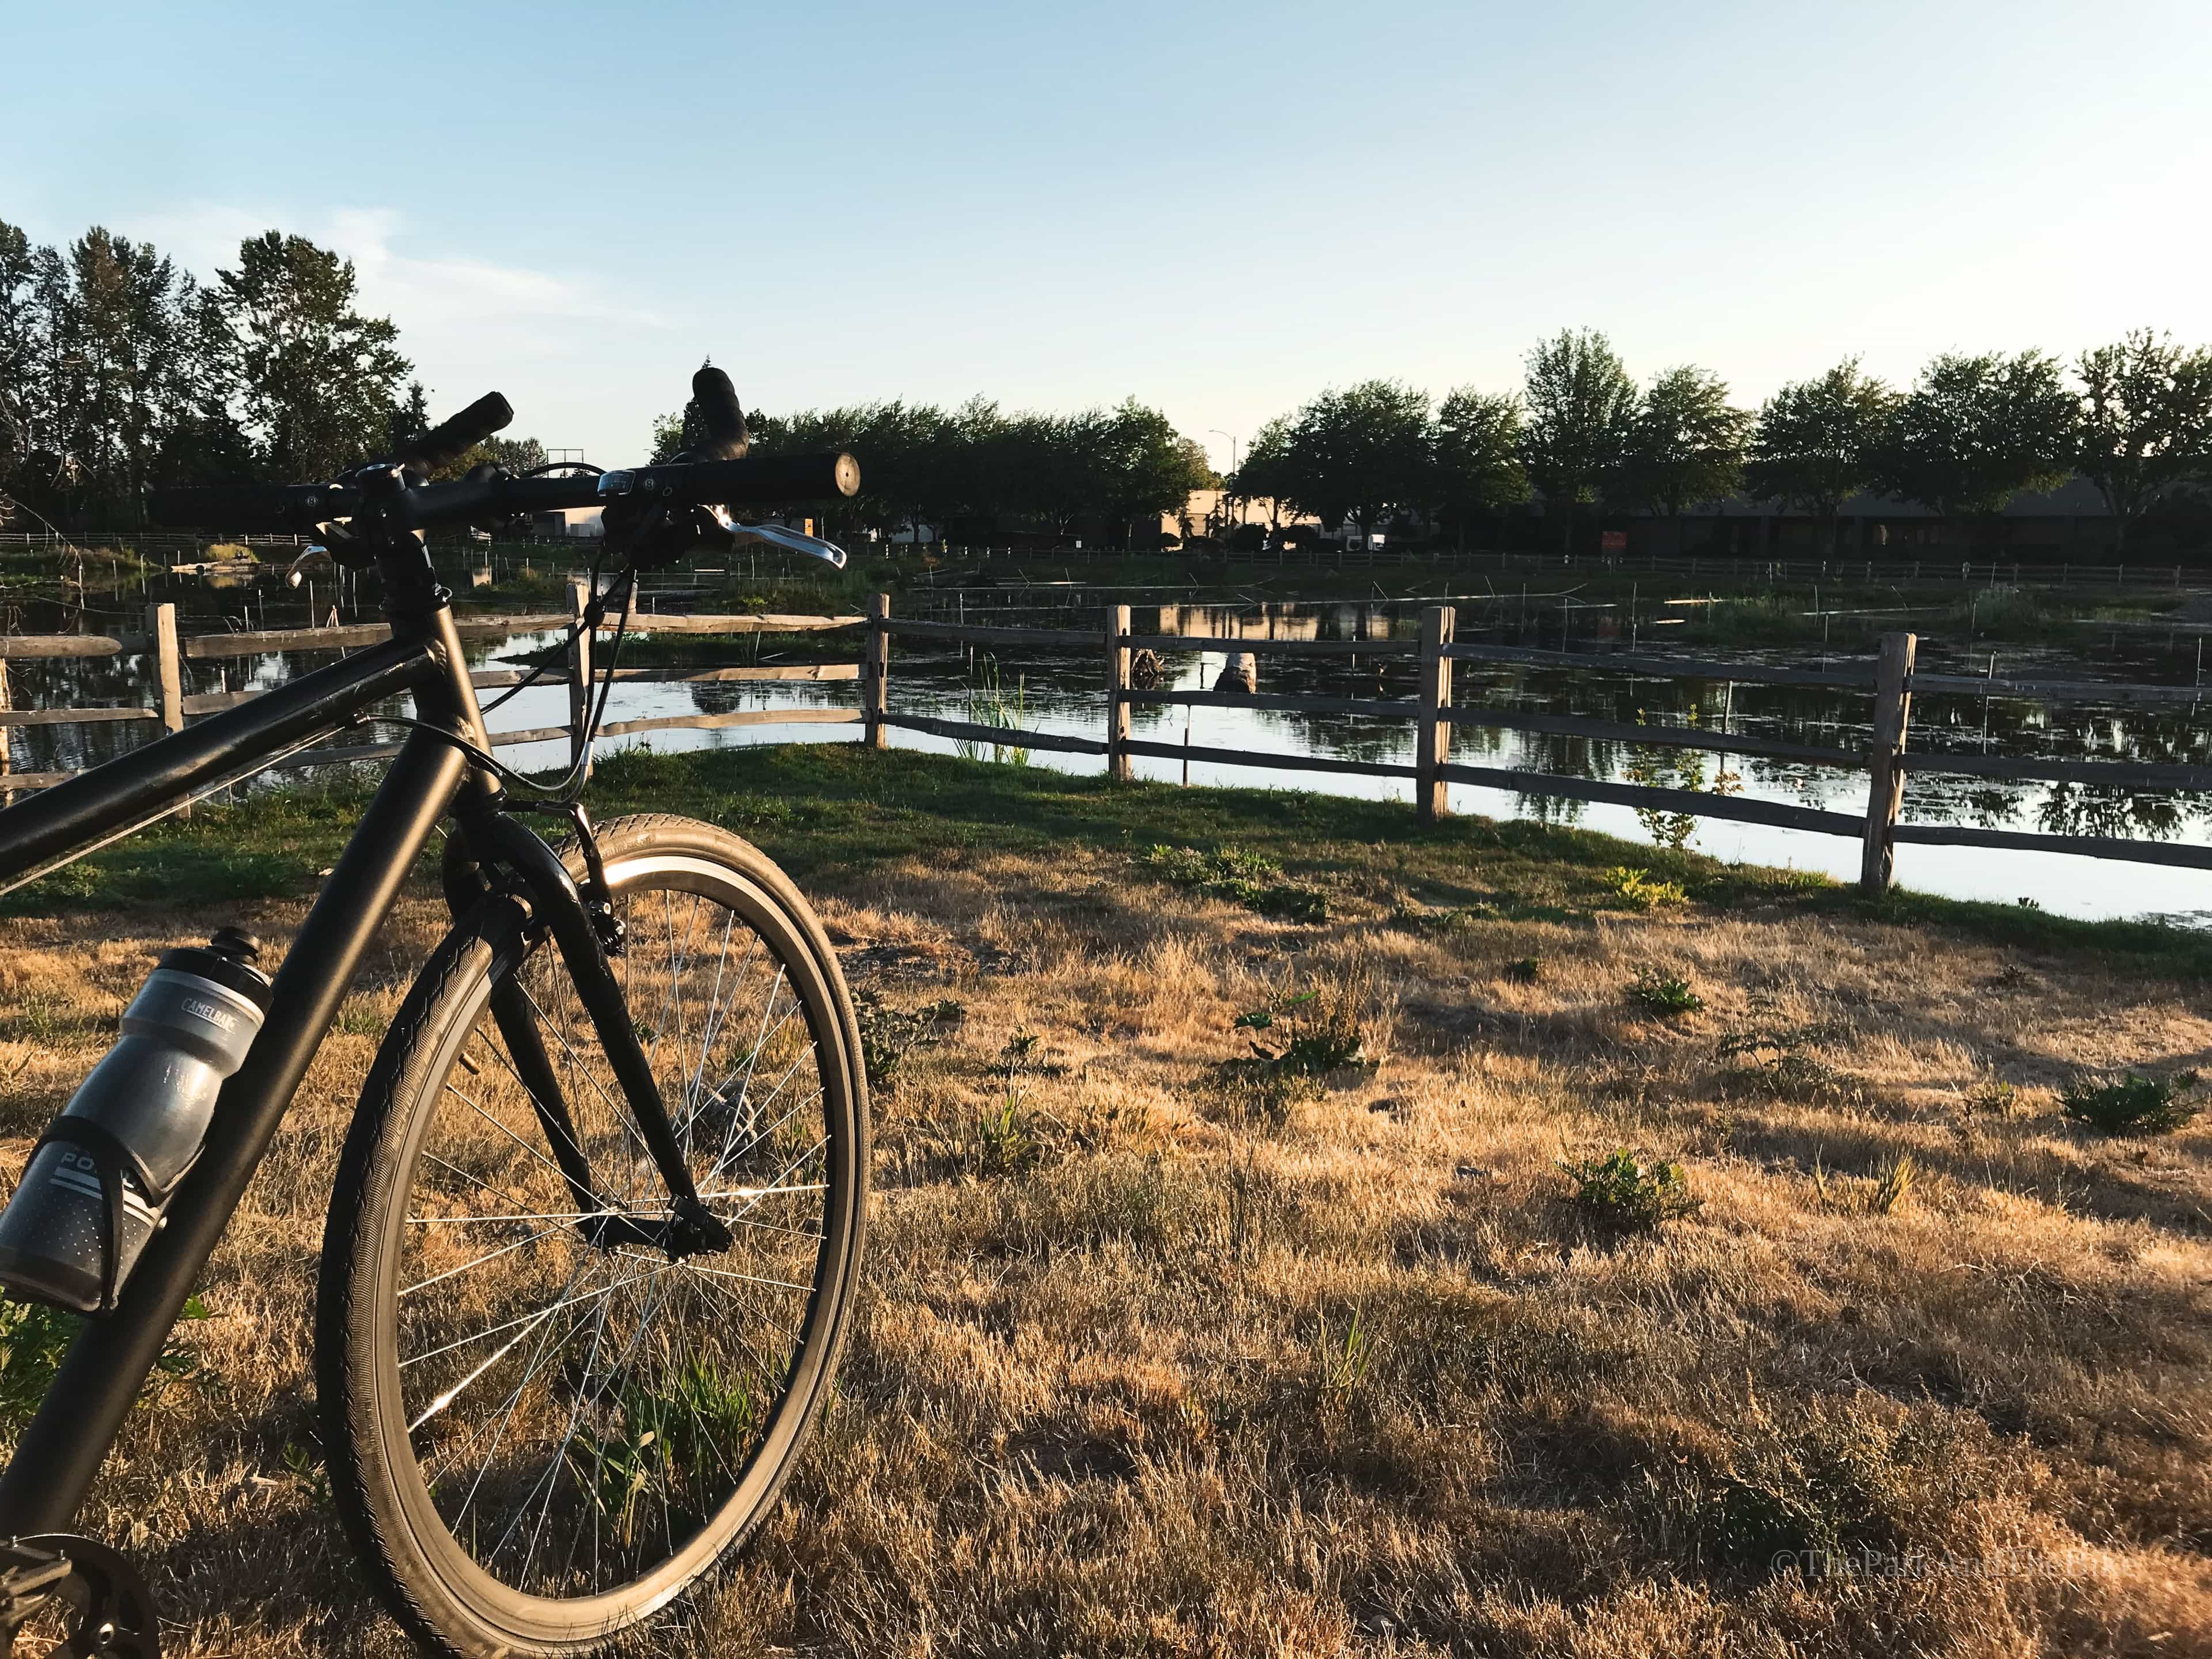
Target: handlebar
(753, 480)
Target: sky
(1219, 209)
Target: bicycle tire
(396, 1202)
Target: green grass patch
(2132, 1104)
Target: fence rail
(167, 651)
(1890, 681)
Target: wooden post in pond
(580, 681)
(876, 672)
(1892, 710)
(1117, 692)
(169, 672)
(1432, 735)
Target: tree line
(1970, 434)
(978, 464)
(120, 370)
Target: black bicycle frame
(62, 1450)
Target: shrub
(1665, 993)
(2133, 1105)
(1526, 970)
(1619, 1194)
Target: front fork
(496, 860)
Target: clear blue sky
(1220, 208)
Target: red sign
(1612, 541)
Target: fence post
(1117, 692)
(580, 681)
(1432, 736)
(168, 671)
(876, 672)
(1892, 709)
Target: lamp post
(1233, 464)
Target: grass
(1138, 1371)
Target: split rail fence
(168, 705)
(1891, 681)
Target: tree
(1817, 442)
(2146, 421)
(1686, 444)
(1145, 467)
(317, 381)
(1582, 410)
(1264, 475)
(1477, 455)
(1363, 454)
(1975, 431)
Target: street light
(1232, 436)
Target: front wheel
(542, 1429)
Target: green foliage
(1643, 889)
(1619, 1194)
(2133, 1105)
(1817, 441)
(889, 1035)
(2146, 421)
(1526, 970)
(1664, 993)
(1582, 414)
(1240, 878)
(669, 1446)
(1686, 443)
(1478, 453)
(1318, 1031)
(1363, 454)
(1975, 431)
(989, 705)
(33, 1338)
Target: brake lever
(776, 535)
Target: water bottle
(133, 1129)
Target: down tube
(63, 1449)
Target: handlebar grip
(246, 507)
(758, 480)
(726, 438)
(446, 443)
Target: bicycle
(595, 1230)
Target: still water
(1051, 691)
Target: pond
(1048, 690)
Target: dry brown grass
(1152, 1360)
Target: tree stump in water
(1239, 673)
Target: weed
(32, 1340)
(1779, 1056)
(305, 1466)
(1619, 1194)
(1004, 1142)
(1525, 970)
(1247, 878)
(1642, 890)
(1664, 993)
(989, 705)
(889, 1035)
(666, 1445)
(1322, 1031)
(1991, 1094)
(1343, 1361)
(2133, 1105)
(1814, 1491)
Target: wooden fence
(168, 706)
(1890, 681)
